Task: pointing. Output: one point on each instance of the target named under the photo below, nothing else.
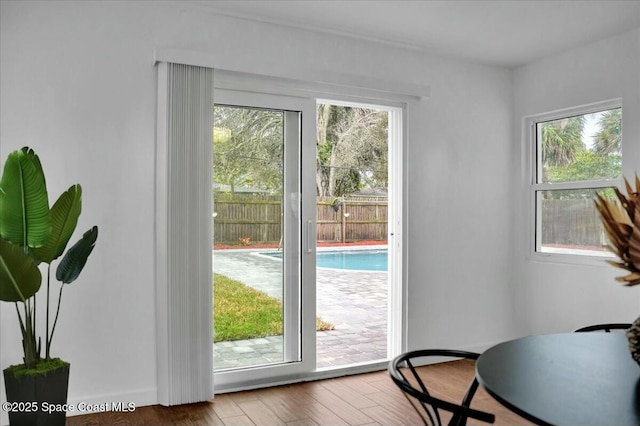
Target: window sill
(572, 257)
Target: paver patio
(354, 301)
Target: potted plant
(32, 234)
(621, 219)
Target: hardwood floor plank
(238, 421)
(341, 408)
(282, 405)
(295, 398)
(386, 417)
(358, 384)
(260, 414)
(395, 402)
(324, 416)
(253, 395)
(302, 422)
(225, 407)
(191, 414)
(343, 391)
(370, 377)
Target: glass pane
(351, 258)
(248, 288)
(584, 147)
(570, 223)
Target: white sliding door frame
(299, 261)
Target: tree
(562, 140)
(351, 149)
(248, 148)
(608, 140)
(588, 165)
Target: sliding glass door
(267, 181)
(263, 238)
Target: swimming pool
(364, 260)
(361, 260)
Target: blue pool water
(363, 260)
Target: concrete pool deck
(354, 301)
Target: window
(577, 154)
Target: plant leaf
(64, 218)
(24, 203)
(634, 242)
(76, 257)
(20, 277)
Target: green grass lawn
(241, 312)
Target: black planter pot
(37, 400)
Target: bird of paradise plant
(621, 220)
(31, 233)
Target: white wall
(556, 297)
(78, 84)
(459, 210)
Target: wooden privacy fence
(258, 218)
(571, 222)
(354, 219)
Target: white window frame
(535, 218)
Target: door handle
(309, 230)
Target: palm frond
(621, 220)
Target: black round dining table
(565, 379)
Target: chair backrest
(405, 374)
(604, 327)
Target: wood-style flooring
(363, 400)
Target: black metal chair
(604, 327)
(406, 376)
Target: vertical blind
(184, 234)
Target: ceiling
(503, 33)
